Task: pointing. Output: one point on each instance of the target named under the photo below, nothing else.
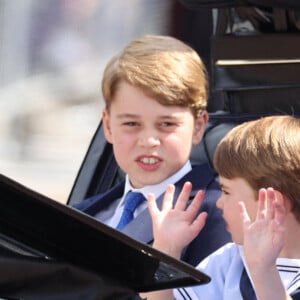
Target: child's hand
(264, 237)
(175, 226)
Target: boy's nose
(149, 139)
(219, 203)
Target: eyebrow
(129, 115)
(223, 186)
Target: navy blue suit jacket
(213, 236)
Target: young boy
(155, 93)
(264, 260)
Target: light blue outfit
(225, 267)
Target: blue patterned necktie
(132, 201)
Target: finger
(199, 223)
(153, 209)
(262, 205)
(168, 198)
(244, 214)
(195, 205)
(271, 197)
(184, 196)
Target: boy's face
(151, 141)
(234, 191)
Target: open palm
(175, 226)
(264, 237)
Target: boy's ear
(284, 200)
(200, 126)
(106, 125)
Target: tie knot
(133, 200)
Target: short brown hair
(266, 153)
(164, 68)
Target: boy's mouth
(149, 160)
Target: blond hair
(266, 153)
(164, 68)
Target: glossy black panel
(60, 233)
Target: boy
(264, 260)
(155, 93)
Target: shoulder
(224, 265)
(223, 256)
(202, 177)
(105, 198)
(203, 169)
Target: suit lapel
(106, 202)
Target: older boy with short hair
(155, 93)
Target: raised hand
(175, 226)
(264, 237)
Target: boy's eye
(225, 192)
(130, 124)
(167, 124)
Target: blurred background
(52, 55)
